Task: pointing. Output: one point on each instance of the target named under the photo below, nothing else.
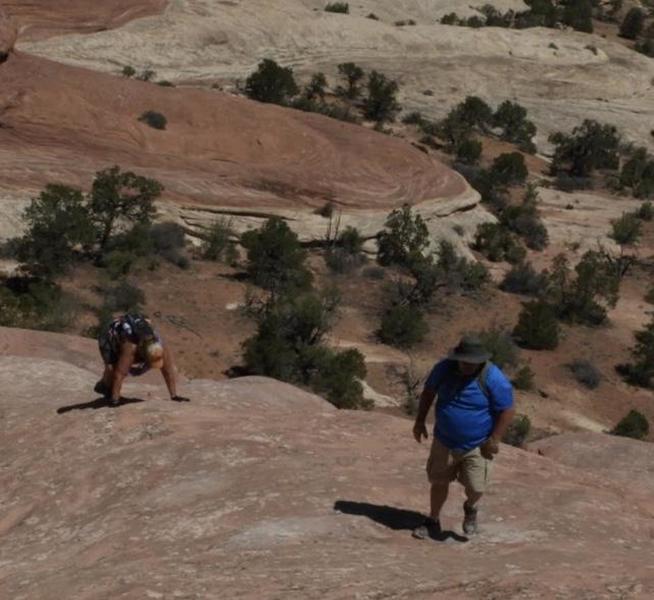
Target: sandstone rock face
(561, 77)
(218, 154)
(41, 18)
(256, 489)
(8, 35)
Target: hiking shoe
(428, 529)
(102, 389)
(469, 519)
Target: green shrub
(154, 119)
(121, 199)
(518, 431)
(467, 116)
(337, 7)
(537, 326)
(641, 370)
(469, 151)
(381, 102)
(638, 174)
(219, 244)
(413, 118)
(353, 74)
(497, 244)
(275, 257)
(338, 375)
(316, 87)
(649, 296)
(524, 220)
(458, 273)
(645, 46)
(578, 15)
(58, 225)
(646, 211)
(626, 230)
(33, 303)
(271, 83)
(632, 24)
(128, 71)
(585, 373)
(119, 263)
(288, 345)
(123, 297)
(585, 297)
(500, 344)
(512, 119)
(404, 239)
(591, 146)
(523, 279)
(509, 169)
(450, 19)
(346, 253)
(523, 378)
(633, 425)
(402, 326)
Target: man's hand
(489, 448)
(420, 431)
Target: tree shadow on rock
(98, 403)
(393, 518)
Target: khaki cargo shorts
(470, 468)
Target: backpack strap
(482, 379)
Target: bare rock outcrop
(257, 489)
(218, 153)
(561, 77)
(8, 34)
(39, 19)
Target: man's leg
(472, 497)
(441, 471)
(438, 495)
(475, 475)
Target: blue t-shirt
(465, 417)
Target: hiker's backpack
(137, 327)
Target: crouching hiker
(473, 410)
(130, 346)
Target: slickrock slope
(561, 77)
(256, 489)
(8, 34)
(61, 124)
(41, 19)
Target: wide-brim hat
(470, 350)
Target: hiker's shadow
(97, 403)
(393, 518)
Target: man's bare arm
(492, 445)
(168, 372)
(419, 428)
(504, 419)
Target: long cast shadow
(97, 403)
(393, 518)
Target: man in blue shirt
(473, 411)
